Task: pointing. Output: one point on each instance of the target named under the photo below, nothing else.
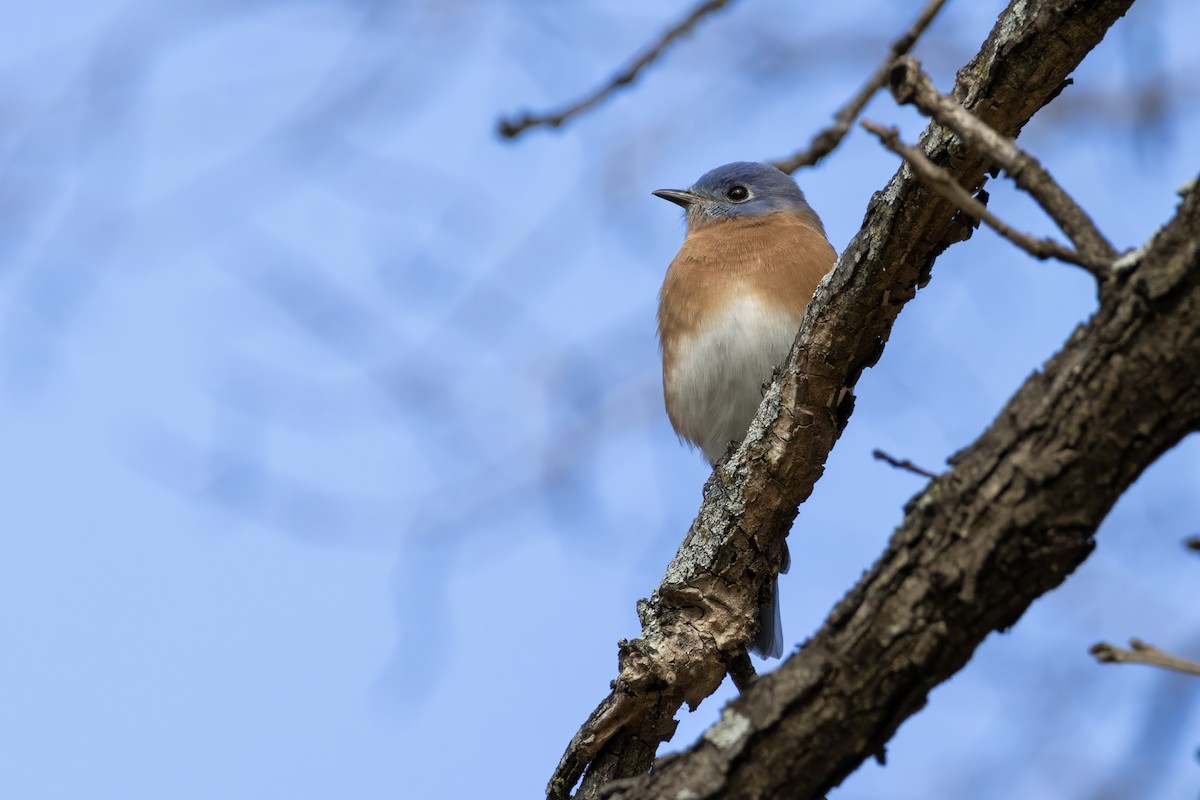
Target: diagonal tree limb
(511, 128)
(942, 182)
(827, 140)
(910, 85)
(1012, 518)
(704, 610)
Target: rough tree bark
(1008, 522)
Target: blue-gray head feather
(741, 189)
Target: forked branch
(910, 85)
(944, 184)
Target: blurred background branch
(827, 140)
(511, 128)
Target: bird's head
(740, 189)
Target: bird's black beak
(679, 197)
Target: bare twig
(828, 139)
(1192, 543)
(944, 184)
(511, 128)
(903, 463)
(910, 85)
(1142, 653)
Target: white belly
(715, 385)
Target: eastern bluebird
(730, 307)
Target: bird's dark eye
(737, 193)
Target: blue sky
(333, 459)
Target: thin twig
(1192, 543)
(941, 182)
(910, 85)
(827, 140)
(511, 128)
(1142, 653)
(903, 463)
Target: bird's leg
(741, 670)
(718, 480)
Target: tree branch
(828, 139)
(1142, 653)
(704, 610)
(912, 86)
(944, 184)
(902, 463)
(1013, 517)
(511, 128)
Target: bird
(731, 304)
